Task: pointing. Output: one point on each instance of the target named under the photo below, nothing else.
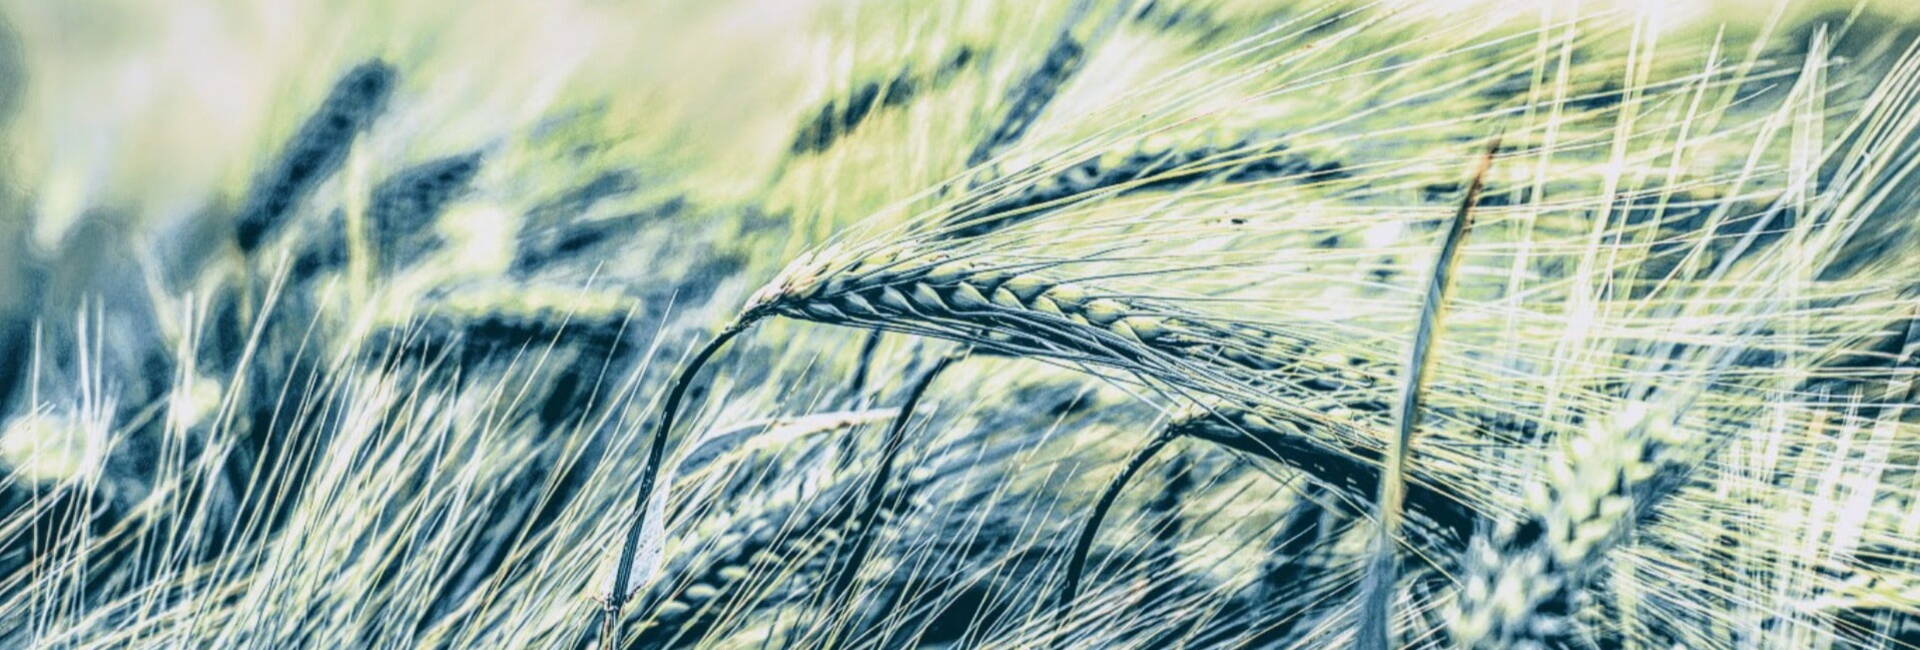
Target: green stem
(1076, 564)
(610, 613)
(875, 494)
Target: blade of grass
(1376, 594)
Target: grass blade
(1376, 631)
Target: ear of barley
(315, 152)
(1010, 309)
(1525, 587)
(738, 563)
(1020, 309)
(1008, 202)
(788, 551)
(1252, 180)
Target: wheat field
(960, 324)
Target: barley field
(969, 324)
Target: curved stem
(875, 494)
(610, 612)
(854, 398)
(858, 384)
(1076, 564)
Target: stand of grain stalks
(1088, 324)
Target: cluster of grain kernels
(736, 551)
(888, 287)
